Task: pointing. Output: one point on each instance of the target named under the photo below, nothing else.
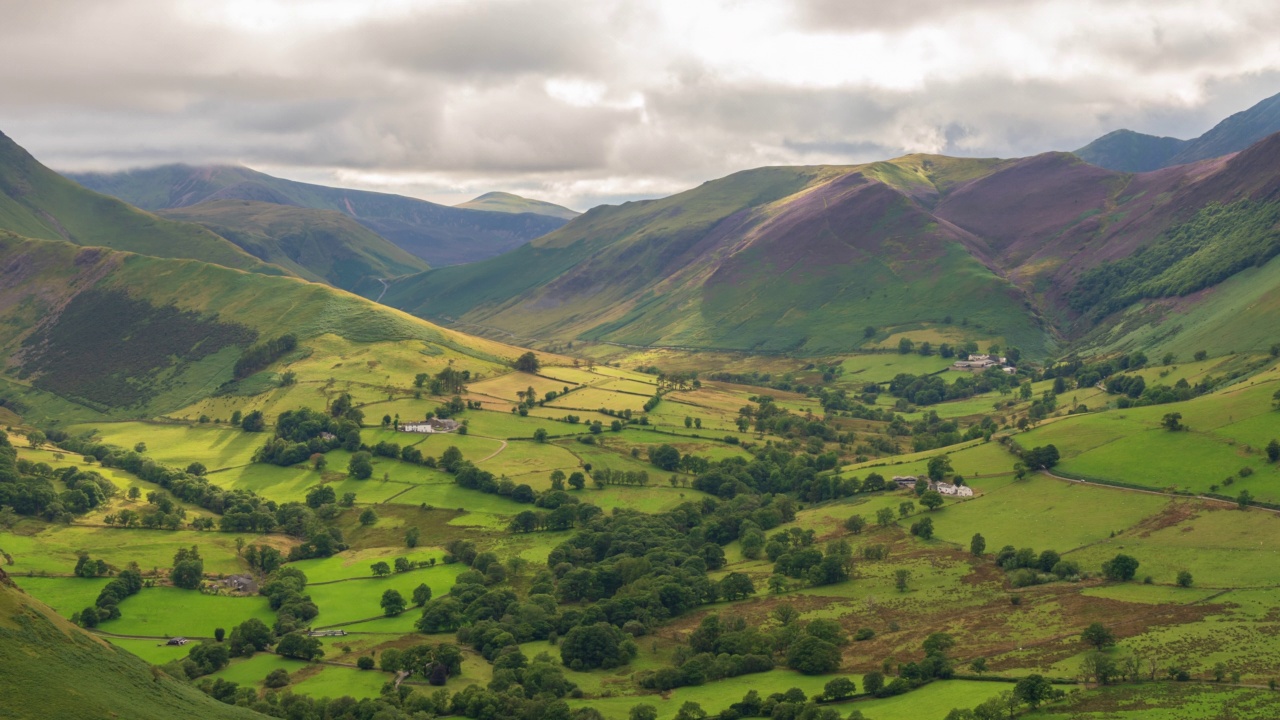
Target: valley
(927, 438)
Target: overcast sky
(588, 101)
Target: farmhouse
(431, 425)
(947, 488)
(978, 363)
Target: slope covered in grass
(439, 234)
(132, 335)
(775, 259)
(322, 245)
(39, 203)
(51, 669)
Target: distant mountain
(1129, 151)
(439, 234)
(39, 203)
(1039, 251)
(50, 668)
(508, 203)
(321, 245)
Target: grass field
(167, 611)
(180, 445)
(54, 548)
(331, 682)
(350, 600)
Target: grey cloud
(456, 93)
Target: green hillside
(39, 203)
(50, 668)
(184, 325)
(776, 259)
(509, 203)
(439, 234)
(322, 245)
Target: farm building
(431, 425)
(904, 482)
(947, 488)
(177, 641)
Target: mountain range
(804, 259)
(439, 234)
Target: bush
(278, 678)
(365, 662)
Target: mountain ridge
(1130, 151)
(439, 234)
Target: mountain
(1035, 251)
(775, 259)
(91, 333)
(439, 234)
(50, 668)
(1129, 151)
(508, 203)
(321, 245)
(39, 203)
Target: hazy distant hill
(322, 245)
(1130, 151)
(39, 203)
(508, 203)
(439, 234)
(1035, 250)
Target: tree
(1121, 567)
(188, 569)
(249, 637)
(1273, 450)
(277, 678)
(600, 645)
(540, 435)
(1244, 499)
(855, 523)
(196, 468)
(979, 665)
(665, 457)
(360, 466)
(219, 634)
(1172, 421)
(411, 537)
(528, 362)
(939, 467)
(421, 595)
(140, 447)
(736, 586)
(923, 528)
(1098, 636)
(931, 499)
(873, 683)
(813, 656)
(365, 662)
(380, 569)
(255, 421)
(901, 577)
(577, 480)
(1184, 579)
(884, 517)
(839, 689)
(300, 646)
(978, 545)
(643, 711)
(392, 602)
(1033, 690)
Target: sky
(583, 102)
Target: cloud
(610, 100)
